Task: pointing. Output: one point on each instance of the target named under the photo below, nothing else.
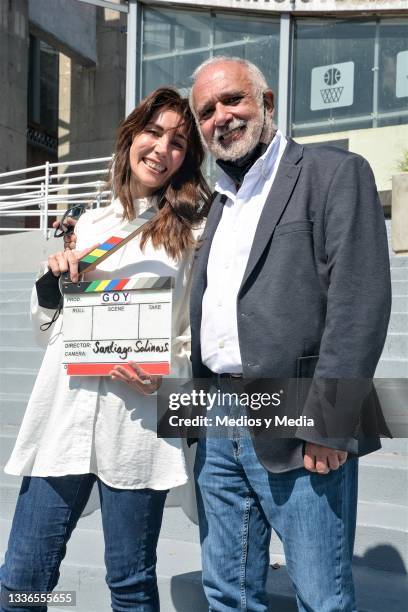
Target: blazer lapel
(276, 202)
(199, 282)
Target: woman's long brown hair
(185, 199)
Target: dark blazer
(316, 292)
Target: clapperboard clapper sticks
(112, 244)
(113, 321)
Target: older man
(292, 276)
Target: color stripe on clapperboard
(103, 369)
(119, 284)
(102, 249)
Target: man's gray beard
(257, 130)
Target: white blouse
(79, 425)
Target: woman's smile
(155, 166)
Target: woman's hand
(136, 378)
(67, 260)
(70, 237)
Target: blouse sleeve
(181, 350)
(40, 316)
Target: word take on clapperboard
(114, 321)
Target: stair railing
(46, 191)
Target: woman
(78, 431)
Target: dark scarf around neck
(237, 168)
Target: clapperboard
(114, 321)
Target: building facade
(338, 68)
(340, 75)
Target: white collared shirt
(80, 425)
(228, 258)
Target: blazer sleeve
(358, 303)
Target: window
(175, 42)
(393, 73)
(43, 83)
(348, 75)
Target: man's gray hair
(257, 77)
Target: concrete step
(8, 499)
(5, 276)
(381, 537)
(375, 590)
(384, 478)
(392, 368)
(398, 261)
(17, 282)
(396, 446)
(393, 397)
(179, 580)
(396, 346)
(21, 356)
(13, 379)
(21, 304)
(18, 318)
(393, 393)
(7, 441)
(12, 408)
(22, 293)
(6, 480)
(398, 323)
(11, 287)
(399, 303)
(400, 286)
(399, 273)
(17, 336)
(383, 474)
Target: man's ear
(269, 100)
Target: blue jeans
(239, 502)
(46, 514)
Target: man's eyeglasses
(74, 212)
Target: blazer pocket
(294, 226)
(305, 366)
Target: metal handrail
(54, 184)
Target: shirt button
(221, 344)
(226, 265)
(219, 303)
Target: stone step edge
(13, 371)
(388, 460)
(371, 514)
(380, 515)
(372, 586)
(20, 349)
